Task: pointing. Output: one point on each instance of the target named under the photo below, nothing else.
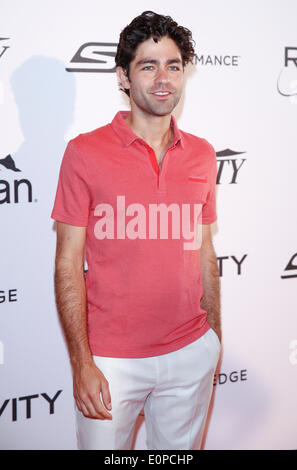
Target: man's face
(156, 77)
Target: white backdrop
(235, 98)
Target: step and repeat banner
(58, 80)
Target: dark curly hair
(151, 25)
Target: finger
(77, 400)
(78, 404)
(92, 407)
(105, 393)
(89, 410)
(85, 410)
(84, 405)
(99, 408)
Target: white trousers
(174, 390)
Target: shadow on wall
(45, 97)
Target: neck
(154, 130)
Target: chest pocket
(196, 189)
(187, 189)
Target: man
(143, 327)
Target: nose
(162, 75)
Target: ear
(122, 77)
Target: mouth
(161, 94)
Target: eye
(147, 67)
(174, 67)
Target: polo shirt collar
(124, 131)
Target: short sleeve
(209, 212)
(72, 201)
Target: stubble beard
(162, 108)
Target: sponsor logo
(3, 47)
(217, 60)
(228, 166)
(8, 296)
(231, 377)
(23, 405)
(13, 190)
(99, 57)
(291, 268)
(8, 163)
(234, 259)
(94, 57)
(287, 79)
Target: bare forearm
(71, 304)
(211, 287)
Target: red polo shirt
(143, 282)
